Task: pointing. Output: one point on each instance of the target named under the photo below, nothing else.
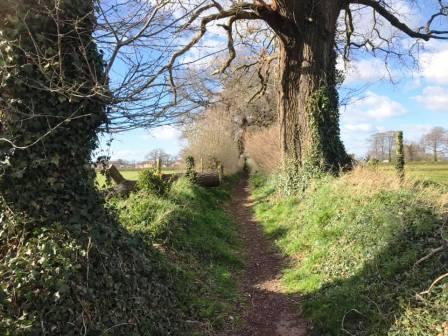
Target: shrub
(292, 180)
(150, 181)
(190, 170)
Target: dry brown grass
(369, 181)
(263, 148)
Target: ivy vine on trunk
(51, 106)
(67, 267)
(308, 104)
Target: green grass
(131, 174)
(198, 238)
(431, 171)
(353, 243)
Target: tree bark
(308, 99)
(45, 109)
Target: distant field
(432, 171)
(129, 175)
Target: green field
(431, 171)
(129, 175)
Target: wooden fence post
(159, 166)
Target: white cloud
(434, 98)
(434, 66)
(165, 133)
(367, 71)
(372, 107)
(363, 127)
(414, 132)
(364, 20)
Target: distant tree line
(433, 146)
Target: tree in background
(436, 141)
(306, 33)
(159, 154)
(248, 103)
(240, 106)
(382, 146)
(212, 137)
(263, 148)
(414, 152)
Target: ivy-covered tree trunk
(308, 103)
(50, 110)
(67, 267)
(399, 158)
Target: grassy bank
(190, 228)
(353, 243)
(145, 265)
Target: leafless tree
(213, 138)
(436, 141)
(414, 152)
(382, 145)
(150, 47)
(158, 154)
(136, 39)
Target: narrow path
(270, 312)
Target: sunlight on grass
(130, 175)
(353, 242)
(431, 171)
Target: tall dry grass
(263, 148)
(368, 181)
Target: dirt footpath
(269, 312)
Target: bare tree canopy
(436, 141)
(305, 36)
(382, 146)
(158, 154)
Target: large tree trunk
(308, 99)
(50, 64)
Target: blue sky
(134, 145)
(416, 101)
(414, 104)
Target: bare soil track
(269, 312)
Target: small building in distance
(144, 165)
